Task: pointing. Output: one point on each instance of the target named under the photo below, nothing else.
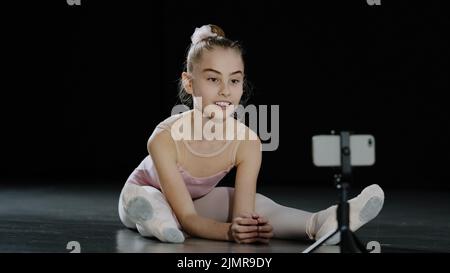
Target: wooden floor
(46, 218)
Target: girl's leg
(291, 223)
(146, 209)
(286, 222)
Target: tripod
(349, 243)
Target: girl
(172, 193)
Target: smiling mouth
(222, 104)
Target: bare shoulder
(161, 138)
(250, 145)
(161, 142)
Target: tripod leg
(360, 245)
(350, 243)
(319, 242)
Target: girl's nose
(224, 91)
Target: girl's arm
(248, 162)
(247, 226)
(162, 149)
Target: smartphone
(326, 150)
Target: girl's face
(217, 79)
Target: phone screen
(326, 150)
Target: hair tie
(202, 33)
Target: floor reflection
(130, 241)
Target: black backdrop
(85, 85)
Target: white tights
(156, 218)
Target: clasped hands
(250, 228)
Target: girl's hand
(244, 229)
(250, 228)
(265, 230)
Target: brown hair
(194, 54)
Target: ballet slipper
(151, 223)
(363, 209)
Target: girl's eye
(235, 81)
(212, 79)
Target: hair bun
(205, 32)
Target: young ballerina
(172, 194)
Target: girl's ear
(187, 82)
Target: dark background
(84, 86)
